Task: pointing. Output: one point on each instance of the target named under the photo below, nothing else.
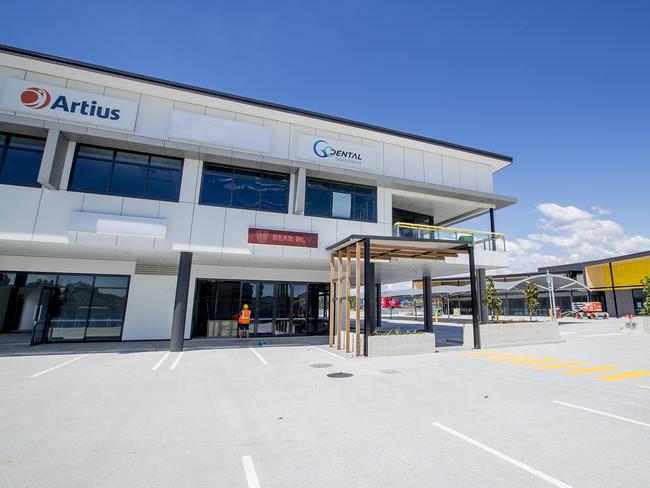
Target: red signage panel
(282, 237)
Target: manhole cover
(339, 375)
(390, 371)
(320, 365)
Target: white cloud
(570, 234)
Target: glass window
(20, 160)
(341, 205)
(317, 198)
(69, 314)
(365, 202)
(240, 188)
(164, 178)
(275, 193)
(246, 193)
(228, 300)
(7, 279)
(125, 173)
(40, 280)
(106, 316)
(341, 201)
(128, 179)
(91, 175)
(112, 281)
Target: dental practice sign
(75, 106)
(330, 152)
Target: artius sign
(55, 102)
(282, 237)
(336, 153)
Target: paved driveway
(270, 416)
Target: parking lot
(571, 414)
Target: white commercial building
(107, 177)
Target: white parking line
(643, 386)
(327, 352)
(567, 333)
(162, 360)
(258, 355)
(505, 457)
(177, 360)
(59, 366)
(249, 469)
(600, 335)
(632, 421)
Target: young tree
(532, 298)
(492, 299)
(645, 309)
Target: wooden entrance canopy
(371, 250)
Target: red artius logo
(35, 98)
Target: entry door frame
(42, 315)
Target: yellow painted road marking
(535, 361)
(512, 358)
(595, 369)
(625, 375)
(561, 365)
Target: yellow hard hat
(245, 306)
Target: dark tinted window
(318, 198)
(340, 200)
(125, 173)
(20, 159)
(230, 187)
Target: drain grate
(320, 365)
(339, 375)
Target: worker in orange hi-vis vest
(244, 321)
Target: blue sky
(562, 86)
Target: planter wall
(517, 334)
(400, 345)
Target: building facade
(107, 177)
(615, 281)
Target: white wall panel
(413, 165)
(235, 238)
(450, 171)
(280, 135)
(433, 168)
(153, 117)
(326, 230)
(190, 181)
(483, 178)
(150, 307)
(53, 221)
(99, 204)
(394, 160)
(208, 229)
(467, 175)
(19, 209)
(179, 218)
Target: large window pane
(21, 167)
(275, 193)
(341, 205)
(70, 309)
(246, 193)
(91, 175)
(217, 185)
(364, 204)
(112, 281)
(163, 183)
(129, 174)
(106, 313)
(317, 198)
(128, 179)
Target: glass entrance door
(42, 315)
